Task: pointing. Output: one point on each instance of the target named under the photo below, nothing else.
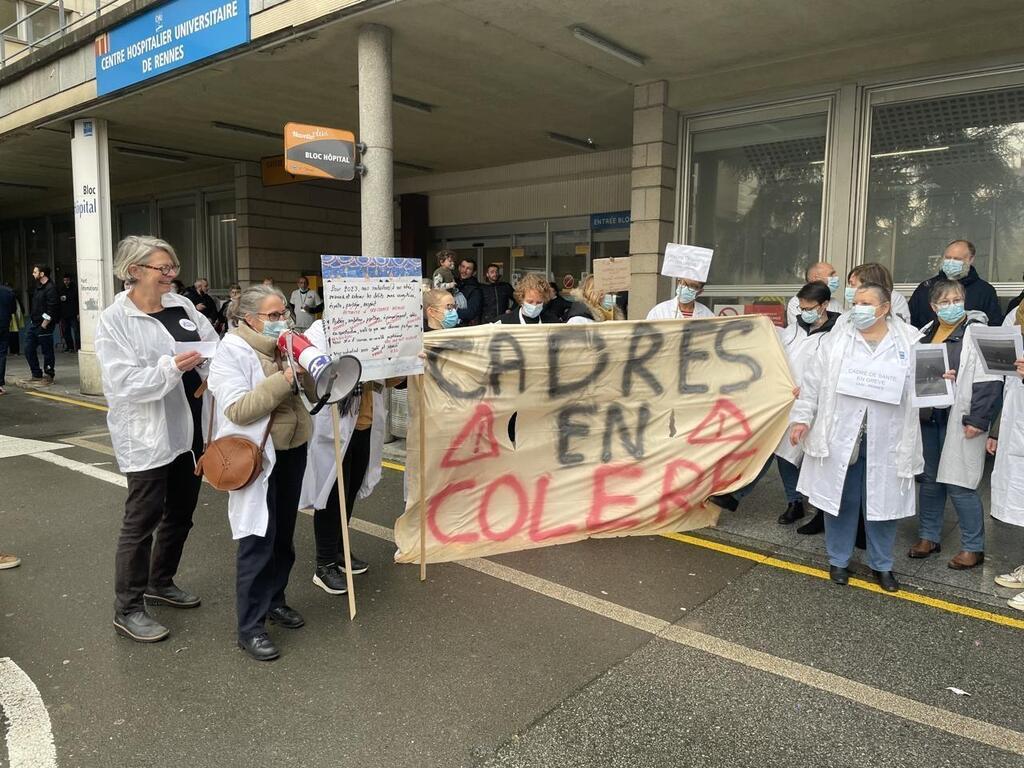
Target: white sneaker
(1012, 580)
(1017, 601)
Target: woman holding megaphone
(254, 400)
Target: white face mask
(863, 316)
(532, 310)
(685, 294)
(809, 316)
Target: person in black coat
(957, 264)
(1015, 300)
(557, 309)
(205, 303)
(44, 313)
(8, 308)
(469, 287)
(496, 295)
(69, 328)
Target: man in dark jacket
(44, 313)
(469, 286)
(957, 264)
(69, 315)
(8, 307)
(496, 295)
(205, 303)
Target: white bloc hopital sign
(373, 310)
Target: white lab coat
(962, 461)
(793, 308)
(321, 468)
(235, 372)
(894, 455)
(669, 310)
(1008, 472)
(149, 419)
(801, 349)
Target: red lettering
(602, 499)
(435, 503)
(537, 513)
(675, 496)
(512, 482)
(719, 482)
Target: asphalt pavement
(645, 651)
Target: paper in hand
(998, 348)
(204, 348)
(689, 261)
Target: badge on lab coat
(877, 379)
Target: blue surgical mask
(451, 318)
(952, 268)
(608, 302)
(863, 316)
(274, 328)
(685, 294)
(809, 316)
(850, 293)
(952, 314)
(833, 283)
(532, 310)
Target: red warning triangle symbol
(475, 441)
(724, 424)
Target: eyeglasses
(948, 303)
(163, 269)
(275, 316)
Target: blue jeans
(932, 496)
(790, 474)
(841, 529)
(37, 336)
(739, 493)
(3, 356)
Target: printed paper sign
(547, 434)
(373, 310)
(204, 348)
(689, 261)
(931, 361)
(612, 275)
(999, 348)
(872, 380)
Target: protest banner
(373, 310)
(547, 434)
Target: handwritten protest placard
(373, 309)
(547, 434)
(612, 275)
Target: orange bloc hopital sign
(547, 434)
(313, 150)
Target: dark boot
(793, 512)
(815, 526)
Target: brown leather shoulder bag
(230, 463)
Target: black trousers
(265, 562)
(160, 501)
(327, 522)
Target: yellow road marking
(69, 401)
(820, 573)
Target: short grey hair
(251, 299)
(134, 250)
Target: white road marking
(29, 736)
(83, 442)
(962, 726)
(86, 469)
(19, 446)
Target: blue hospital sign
(170, 36)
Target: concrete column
(653, 195)
(90, 174)
(375, 130)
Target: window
(947, 168)
(42, 23)
(569, 254)
(178, 227)
(8, 16)
(755, 197)
(220, 241)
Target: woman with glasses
(439, 310)
(255, 398)
(954, 437)
(155, 422)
